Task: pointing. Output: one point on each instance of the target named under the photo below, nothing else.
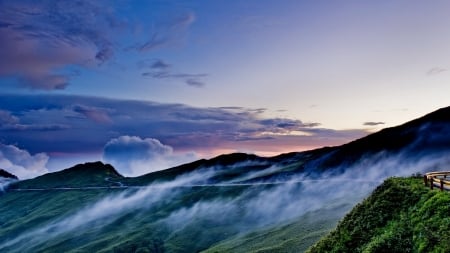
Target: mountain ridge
(392, 139)
(6, 174)
(233, 200)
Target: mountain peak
(6, 174)
(80, 175)
(94, 167)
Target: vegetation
(88, 208)
(400, 216)
(294, 236)
(81, 175)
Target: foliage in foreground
(400, 216)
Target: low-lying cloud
(133, 156)
(21, 163)
(257, 206)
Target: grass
(400, 216)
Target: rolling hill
(230, 203)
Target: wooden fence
(440, 179)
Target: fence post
(442, 185)
(425, 180)
(431, 183)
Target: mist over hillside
(221, 203)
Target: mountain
(6, 174)
(230, 203)
(401, 215)
(81, 175)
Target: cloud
(93, 113)
(41, 38)
(170, 33)
(134, 156)
(9, 122)
(159, 69)
(184, 128)
(21, 163)
(44, 41)
(373, 123)
(435, 71)
(7, 119)
(250, 206)
(194, 82)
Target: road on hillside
(123, 186)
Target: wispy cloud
(373, 123)
(159, 69)
(169, 33)
(436, 71)
(93, 113)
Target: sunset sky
(146, 85)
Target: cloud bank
(133, 156)
(21, 163)
(81, 124)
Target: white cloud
(133, 156)
(21, 163)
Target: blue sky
(176, 81)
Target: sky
(146, 85)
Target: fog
(260, 205)
(4, 183)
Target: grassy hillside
(400, 216)
(244, 203)
(294, 236)
(81, 175)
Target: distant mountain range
(231, 203)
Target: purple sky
(150, 84)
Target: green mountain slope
(235, 202)
(294, 236)
(400, 216)
(81, 175)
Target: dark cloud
(180, 126)
(373, 123)
(194, 82)
(159, 64)
(159, 69)
(41, 40)
(38, 127)
(7, 119)
(9, 122)
(43, 37)
(279, 125)
(93, 113)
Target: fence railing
(440, 179)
